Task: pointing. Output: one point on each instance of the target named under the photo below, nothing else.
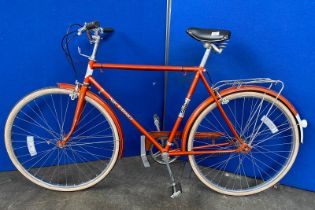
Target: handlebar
(107, 30)
(93, 26)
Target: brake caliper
(75, 93)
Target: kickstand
(176, 188)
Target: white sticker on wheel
(31, 145)
(272, 127)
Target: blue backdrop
(32, 57)
(269, 39)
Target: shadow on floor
(131, 186)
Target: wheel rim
(40, 120)
(267, 126)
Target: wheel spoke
(270, 153)
(87, 157)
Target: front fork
(77, 114)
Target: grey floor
(131, 186)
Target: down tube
(125, 113)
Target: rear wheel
(265, 124)
(44, 117)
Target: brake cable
(65, 47)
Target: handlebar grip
(92, 25)
(108, 30)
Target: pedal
(176, 190)
(156, 120)
(144, 158)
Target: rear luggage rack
(275, 85)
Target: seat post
(206, 54)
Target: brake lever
(88, 34)
(81, 30)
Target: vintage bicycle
(241, 140)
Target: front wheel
(264, 123)
(44, 117)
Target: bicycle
(240, 141)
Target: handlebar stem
(96, 39)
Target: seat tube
(183, 109)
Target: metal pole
(166, 54)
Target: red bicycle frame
(89, 80)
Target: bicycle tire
(86, 160)
(272, 163)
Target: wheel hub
(61, 144)
(246, 148)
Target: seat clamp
(207, 45)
